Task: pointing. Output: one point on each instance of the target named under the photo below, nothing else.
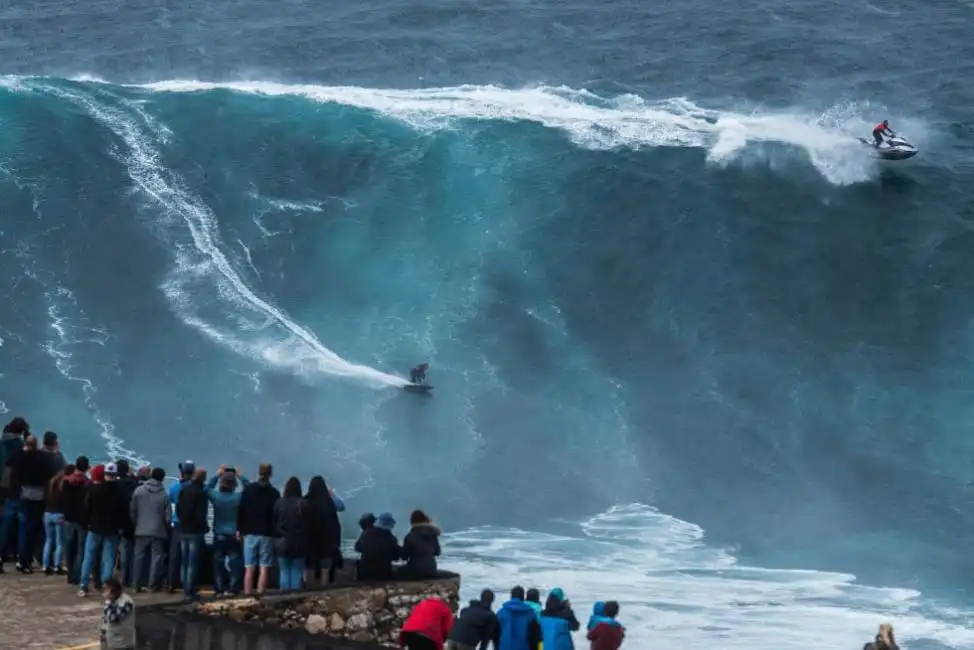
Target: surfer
(418, 374)
(880, 130)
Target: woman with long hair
(325, 534)
(291, 534)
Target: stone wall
(371, 613)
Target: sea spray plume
(591, 121)
(205, 262)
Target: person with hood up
(291, 534)
(884, 639)
(151, 515)
(227, 551)
(519, 627)
(558, 622)
(427, 627)
(126, 542)
(192, 510)
(53, 552)
(324, 534)
(604, 631)
(477, 626)
(255, 525)
(420, 548)
(379, 548)
(117, 618)
(106, 512)
(74, 493)
(533, 600)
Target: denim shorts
(258, 550)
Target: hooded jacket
(558, 622)
(607, 634)
(519, 628)
(379, 548)
(420, 549)
(106, 510)
(118, 624)
(291, 527)
(476, 626)
(192, 509)
(150, 510)
(432, 618)
(74, 492)
(256, 513)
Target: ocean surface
(693, 347)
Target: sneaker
(24, 568)
(82, 593)
(48, 571)
(60, 571)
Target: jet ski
(417, 388)
(894, 148)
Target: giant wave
(623, 299)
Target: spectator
(53, 551)
(175, 549)
(427, 627)
(144, 474)
(34, 469)
(11, 448)
(106, 511)
(126, 547)
(884, 639)
(476, 626)
(533, 600)
(604, 631)
(255, 525)
(118, 618)
(558, 622)
(151, 515)
(74, 491)
(52, 446)
(420, 548)
(325, 532)
(227, 551)
(291, 534)
(519, 627)
(192, 510)
(379, 549)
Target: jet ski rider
(880, 130)
(418, 374)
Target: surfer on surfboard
(418, 374)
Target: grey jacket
(150, 510)
(118, 624)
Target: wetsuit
(418, 374)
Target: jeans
(227, 551)
(53, 540)
(126, 555)
(30, 519)
(154, 547)
(11, 513)
(292, 570)
(175, 555)
(190, 546)
(107, 544)
(74, 550)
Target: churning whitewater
(632, 305)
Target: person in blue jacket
(175, 554)
(519, 628)
(558, 622)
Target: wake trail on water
(203, 265)
(828, 139)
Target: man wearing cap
(107, 514)
(175, 540)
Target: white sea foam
(675, 591)
(596, 122)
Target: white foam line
(149, 174)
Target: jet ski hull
(893, 149)
(417, 388)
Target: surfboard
(417, 388)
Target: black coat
(192, 508)
(476, 625)
(324, 529)
(106, 510)
(420, 549)
(255, 516)
(291, 527)
(379, 549)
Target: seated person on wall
(379, 548)
(420, 548)
(428, 626)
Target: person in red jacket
(880, 130)
(427, 627)
(605, 632)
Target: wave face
(735, 315)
